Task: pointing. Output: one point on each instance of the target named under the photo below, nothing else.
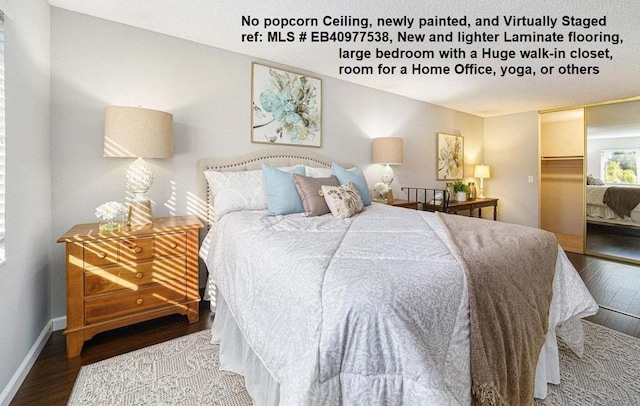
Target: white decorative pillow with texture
(234, 191)
(313, 172)
(343, 201)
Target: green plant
(458, 186)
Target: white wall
(96, 63)
(511, 150)
(24, 278)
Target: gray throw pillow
(310, 191)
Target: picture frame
(286, 107)
(450, 156)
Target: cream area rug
(185, 371)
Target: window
(619, 166)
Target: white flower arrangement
(110, 211)
(380, 190)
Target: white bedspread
(368, 310)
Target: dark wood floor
(51, 378)
(615, 286)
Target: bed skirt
(236, 355)
(604, 214)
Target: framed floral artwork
(450, 157)
(286, 107)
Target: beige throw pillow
(343, 201)
(310, 191)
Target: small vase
(115, 224)
(461, 196)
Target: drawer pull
(139, 275)
(133, 246)
(101, 255)
(139, 301)
(174, 245)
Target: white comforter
(368, 310)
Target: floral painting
(286, 108)
(450, 157)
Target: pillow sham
(310, 191)
(234, 191)
(314, 172)
(282, 195)
(343, 201)
(592, 180)
(355, 176)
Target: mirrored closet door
(612, 195)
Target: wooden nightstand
(405, 203)
(118, 278)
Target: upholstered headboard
(253, 161)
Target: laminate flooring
(614, 285)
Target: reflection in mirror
(613, 184)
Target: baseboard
(59, 323)
(23, 370)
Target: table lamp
(135, 132)
(482, 172)
(387, 151)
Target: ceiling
(218, 23)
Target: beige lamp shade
(134, 132)
(482, 172)
(387, 150)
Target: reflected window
(619, 166)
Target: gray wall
(96, 63)
(24, 277)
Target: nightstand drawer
(115, 278)
(170, 244)
(100, 253)
(136, 249)
(121, 304)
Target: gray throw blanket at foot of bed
(509, 272)
(622, 199)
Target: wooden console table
(404, 203)
(471, 205)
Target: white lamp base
(139, 180)
(387, 174)
(140, 213)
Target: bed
(613, 204)
(373, 309)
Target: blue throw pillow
(282, 195)
(353, 175)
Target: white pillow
(234, 191)
(313, 172)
